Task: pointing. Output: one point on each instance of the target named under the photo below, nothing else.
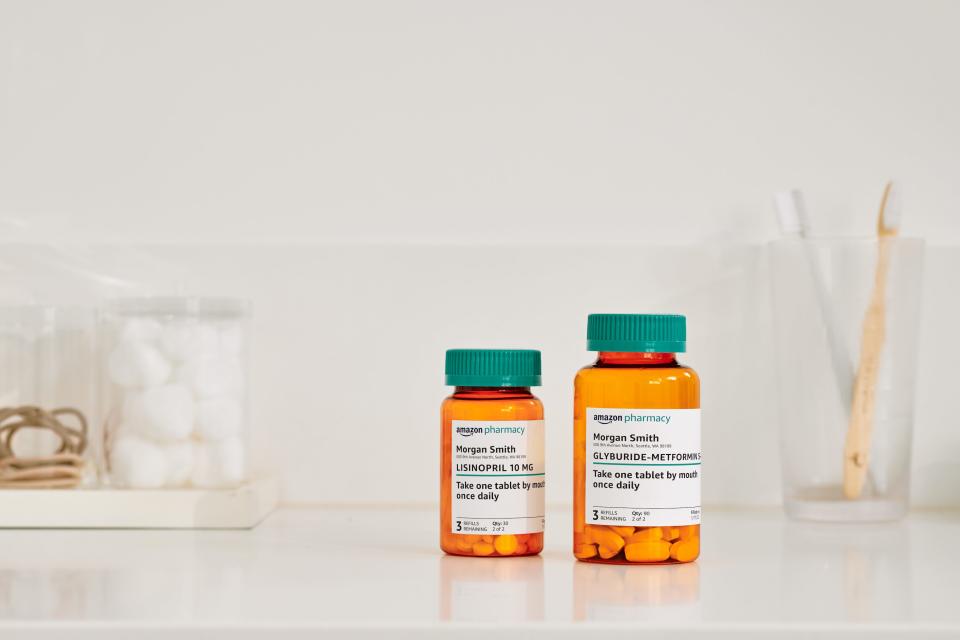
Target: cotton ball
(135, 364)
(161, 413)
(141, 330)
(211, 376)
(219, 464)
(219, 418)
(176, 340)
(180, 460)
(231, 340)
(137, 463)
(182, 340)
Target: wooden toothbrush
(856, 451)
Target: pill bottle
(636, 444)
(174, 385)
(491, 451)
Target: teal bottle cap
(493, 368)
(637, 332)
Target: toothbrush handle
(856, 452)
(839, 357)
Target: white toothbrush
(793, 223)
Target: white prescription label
(498, 476)
(643, 467)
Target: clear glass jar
(827, 294)
(174, 385)
(47, 397)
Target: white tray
(240, 508)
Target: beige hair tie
(61, 470)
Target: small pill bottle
(636, 444)
(491, 451)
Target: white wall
(402, 121)
(387, 179)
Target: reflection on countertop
(345, 568)
(491, 589)
(857, 573)
(604, 592)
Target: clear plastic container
(174, 385)
(822, 290)
(47, 397)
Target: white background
(389, 179)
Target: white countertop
(360, 572)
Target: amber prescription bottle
(491, 452)
(636, 444)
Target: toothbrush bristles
(791, 212)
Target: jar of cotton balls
(174, 380)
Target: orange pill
(586, 551)
(483, 548)
(623, 532)
(649, 534)
(521, 549)
(535, 543)
(607, 538)
(505, 544)
(688, 533)
(685, 550)
(651, 551)
(671, 533)
(606, 553)
(589, 534)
